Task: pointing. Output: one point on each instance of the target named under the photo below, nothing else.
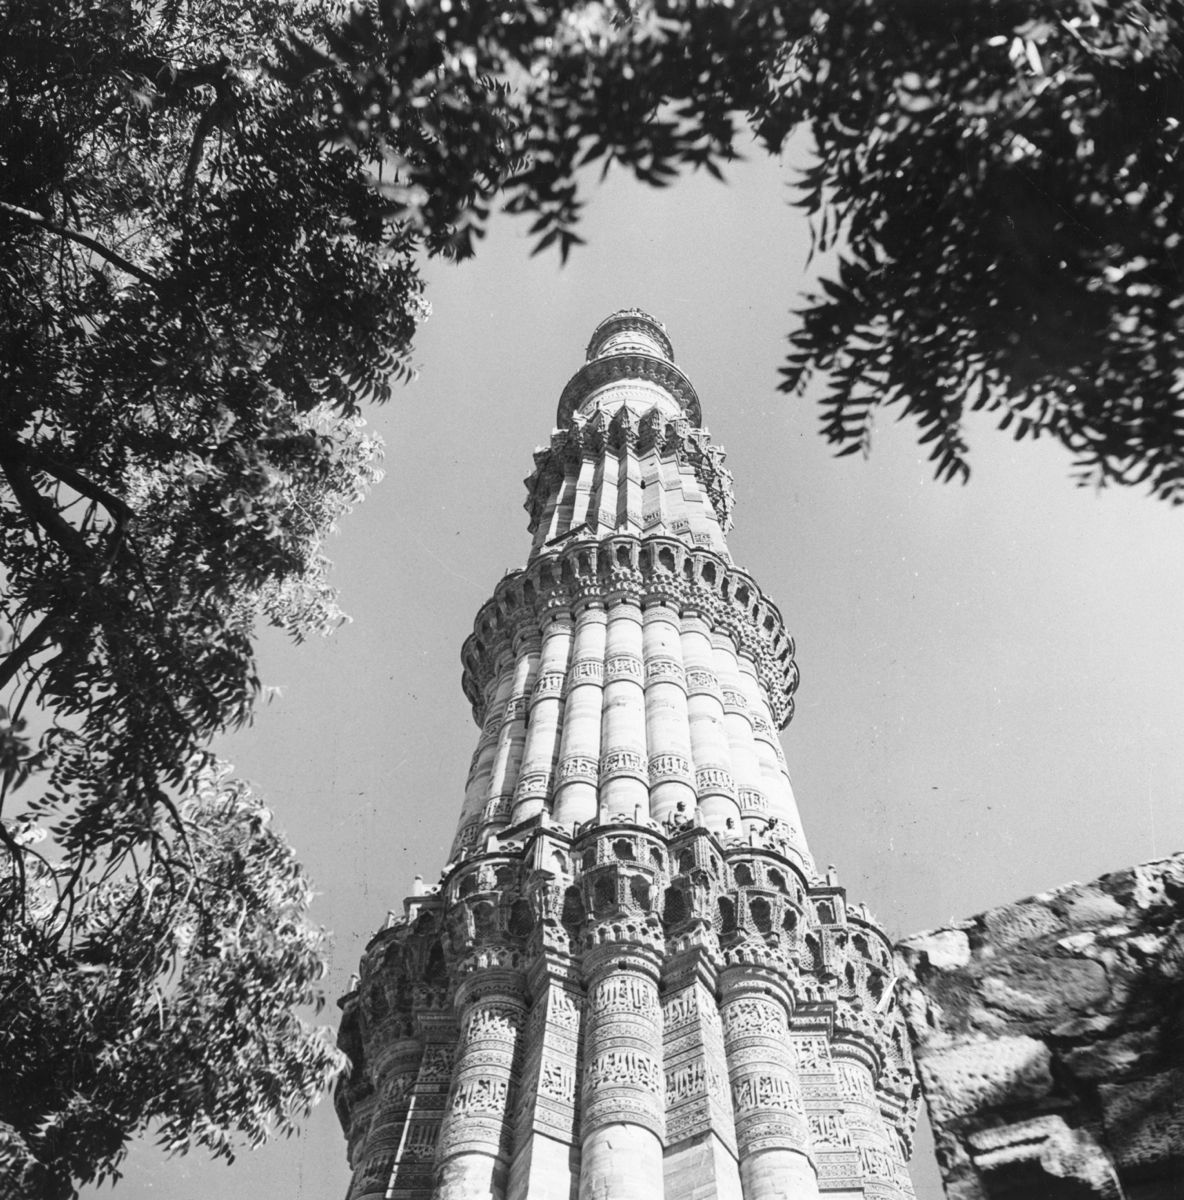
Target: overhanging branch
(113, 257)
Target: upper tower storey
(630, 361)
(630, 667)
(628, 454)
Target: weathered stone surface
(1023, 922)
(943, 949)
(1037, 986)
(1144, 1120)
(1109, 1059)
(975, 1075)
(1050, 1051)
(1051, 1150)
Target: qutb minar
(631, 981)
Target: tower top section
(629, 347)
(630, 331)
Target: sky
(990, 700)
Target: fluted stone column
(714, 783)
(395, 1073)
(472, 813)
(622, 1088)
(624, 777)
(512, 738)
(782, 805)
(667, 725)
(836, 1158)
(877, 1166)
(474, 1147)
(746, 765)
(579, 750)
(546, 708)
(771, 1130)
(413, 1178)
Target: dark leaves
(1006, 182)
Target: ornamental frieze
(669, 766)
(700, 581)
(623, 666)
(663, 669)
(621, 957)
(631, 1067)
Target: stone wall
(1050, 1039)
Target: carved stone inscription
(483, 1079)
(550, 1073)
(623, 1080)
(766, 1094)
(697, 1098)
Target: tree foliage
(173, 1004)
(197, 293)
(1004, 184)
(1001, 181)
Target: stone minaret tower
(631, 982)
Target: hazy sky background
(990, 701)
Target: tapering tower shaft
(631, 981)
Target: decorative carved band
(714, 781)
(624, 762)
(669, 766)
(577, 767)
(662, 669)
(752, 802)
(653, 570)
(701, 682)
(549, 683)
(602, 371)
(623, 666)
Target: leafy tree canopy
(197, 293)
(173, 1003)
(1001, 181)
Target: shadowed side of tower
(630, 983)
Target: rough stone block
(1144, 1119)
(1051, 1050)
(944, 949)
(1023, 922)
(1039, 986)
(972, 1076)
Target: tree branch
(204, 125)
(83, 239)
(170, 82)
(39, 510)
(29, 646)
(11, 447)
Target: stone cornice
(602, 371)
(646, 571)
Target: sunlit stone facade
(631, 981)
